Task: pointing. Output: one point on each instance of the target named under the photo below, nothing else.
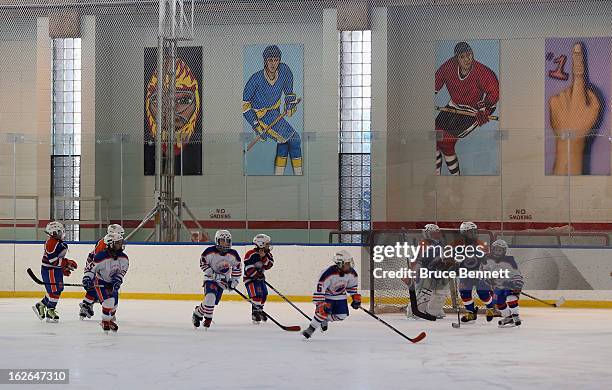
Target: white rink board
(576, 273)
(175, 269)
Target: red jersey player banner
(272, 109)
(187, 149)
(467, 102)
(577, 88)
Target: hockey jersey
(480, 84)
(514, 281)
(334, 285)
(106, 267)
(472, 263)
(215, 264)
(261, 100)
(100, 246)
(254, 263)
(55, 251)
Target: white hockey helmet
(55, 229)
(429, 229)
(342, 257)
(469, 229)
(114, 241)
(499, 248)
(115, 228)
(262, 241)
(223, 240)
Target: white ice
(158, 348)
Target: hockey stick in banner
(287, 300)
(38, 281)
(293, 328)
(463, 112)
(420, 337)
(558, 303)
(275, 121)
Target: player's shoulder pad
(100, 256)
(252, 255)
(511, 260)
(52, 244)
(234, 253)
(327, 272)
(209, 250)
(353, 272)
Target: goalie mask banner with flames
(187, 148)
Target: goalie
(430, 293)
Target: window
(66, 132)
(355, 132)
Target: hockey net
(390, 295)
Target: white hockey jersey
(220, 266)
(514, 279)
(104, 266)
(332, 285)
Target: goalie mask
(499, 248)
(262, 241)
(223, 240)
(56, 230)
(469, 230)
(342, 259)
(432, 232)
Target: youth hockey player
(507, 290)
(431, 293)
(330, 299)
(86, 307)
(222, 268)
(54, 267)
(469, 237)
(256, 262)
(105, 276)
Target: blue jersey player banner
(467, 106)
(272, 109)
(187, 148)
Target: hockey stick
(464, 112)
(275, 121)
(454, 298)
(38, 281)
(558, 303)
(293, 328)
(287, 300)
(415, 309)
(420, 337)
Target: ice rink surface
(158, 348)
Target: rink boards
(163, 271)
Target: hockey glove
(291, 102)
(232, 283)
(68, 266)
(356, 304)
(87, 283)
(484, 110)
(261, 130)
(117, 281)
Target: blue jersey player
(54, 267)
(330, 297)
(256, 262)
(261, 105)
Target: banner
(467, 105)
(187, 149)
(272, 108)
(577, 90)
